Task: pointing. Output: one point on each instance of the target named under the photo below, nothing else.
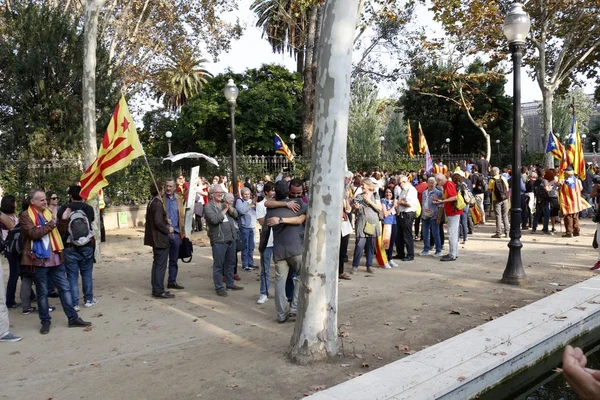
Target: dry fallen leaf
(461, 378)
(364, 364)
(402, 329)
(580, 308)
(232, 386)
(560, 317)
(410, 353)
(387, 323)
(14, 353)
(454, 312)
(402, 347)
(87, 328)
(316, 388)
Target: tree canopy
(269, 102)
(41, 66)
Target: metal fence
(131, 185)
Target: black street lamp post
(498, 151)
(231, 93)
(516, 28)
(448, 144)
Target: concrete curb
(467, 364)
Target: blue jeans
(430, 227)
(224, 259)
(174, 243)
(59, 276)
(248, 251)
(368, 245)
(265, 270)
(80, 260)
(463, 228)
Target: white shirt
(410, 194)
(261, 212)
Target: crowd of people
(385, 213)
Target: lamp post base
(514, 273)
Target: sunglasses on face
(53, 198)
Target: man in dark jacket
(156, 235)
(79, 258)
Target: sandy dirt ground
(199, 345)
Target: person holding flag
(571, 202)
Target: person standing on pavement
(5, 334)
(42, 254)
(407, 198)
(429, 216)
(156, 235)
(498, 188)
(173, 204)
(246, 208)
(78, 256)
(452, 215)
(267, 254)
(220, 220)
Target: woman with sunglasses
(52, 200)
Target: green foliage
(269, 102)
(41, 68)
(433, 98)
(366, 121)
(534, 158)
(562, 113)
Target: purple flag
(428, 161)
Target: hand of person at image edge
(585, 382)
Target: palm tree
(283, 22)
(180, 79)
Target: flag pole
(150, 169)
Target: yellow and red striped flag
(575, 151)
(571, 201)
(422, 141)
(120, 145)
(410, 150)
(281, 148)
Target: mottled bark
(90, 41)
(308, 88)
(315, 333)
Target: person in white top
(407, 199)
(267, 253)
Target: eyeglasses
(53, 198)
(218, 192)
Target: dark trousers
(405, 236)
(343, 252)
(102, 230)
(159, 268)
(417, 225)
(13, 278)
(174, 243)
(59, 275)
(198, 219)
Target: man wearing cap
(571, 202)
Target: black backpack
(480, 186)
(500, 189)
(13, 243)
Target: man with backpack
(75, 224)
(43, 255)
(498, 188)
(479, 189)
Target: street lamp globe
(497, 141)
(593, 143)
(168, 134)
(583, 136)
(447, 140)
(293, 136)
(231, 91)
(382, 138)
(517, 24)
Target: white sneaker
(76, 308)
(393, 263)
(262, 299)
(387, 266)
(91, 303)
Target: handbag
(185, 250)
(369, 229)
(346, 228)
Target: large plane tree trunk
(315, 333)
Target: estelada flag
(281, 148)
(571, 201)
(410, 150)
(555, 147)
(120, 145)
(422, 142)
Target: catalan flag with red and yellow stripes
(575, 151)
(120, 145)
(410, 150)
(571, 201)
(281, 148)
(422, 141)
